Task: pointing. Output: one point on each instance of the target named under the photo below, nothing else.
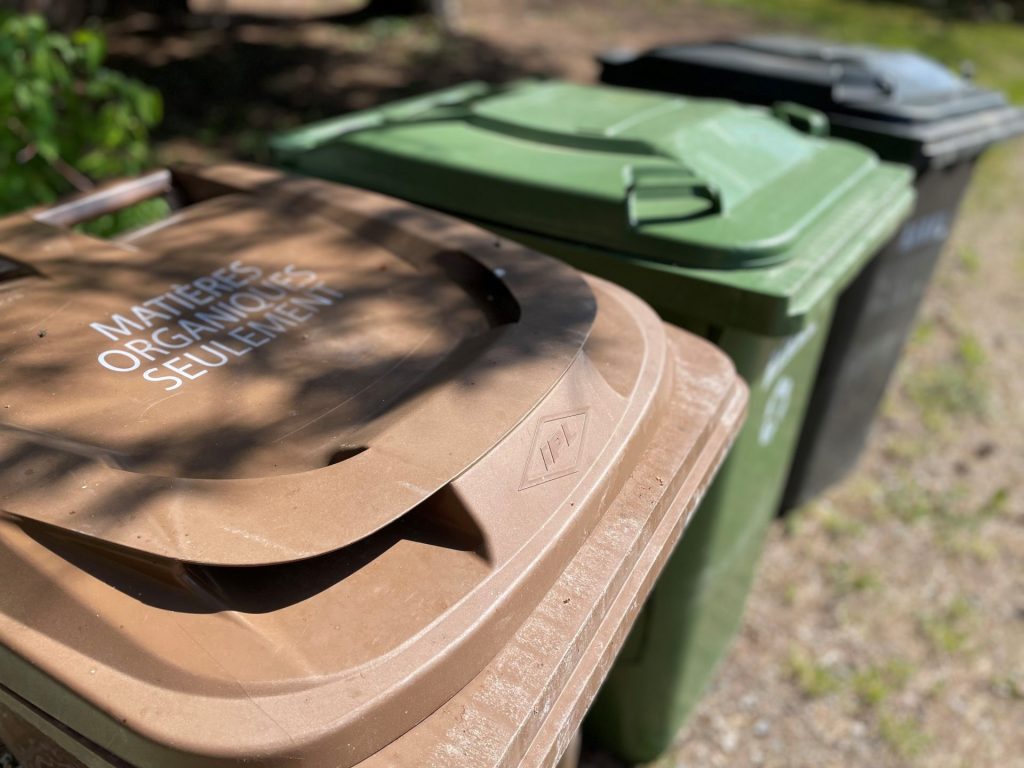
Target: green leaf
(59, 103)
(92, 45)
(149, 105)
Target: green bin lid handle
(660, 194)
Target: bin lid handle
(664, 194)
(106, 199)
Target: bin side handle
(805, 119)
(106, 199)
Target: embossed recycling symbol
(556, 449)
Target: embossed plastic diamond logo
(557, 447)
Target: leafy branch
(70, 121)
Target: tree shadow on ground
(229, 83)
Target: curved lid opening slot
(443, 521)
(486, 288)
(345, 453)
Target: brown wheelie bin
(305, 473)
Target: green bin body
(729, 220)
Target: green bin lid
(689, 182)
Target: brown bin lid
(298, 540)
(186, 395)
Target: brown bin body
(307, 473)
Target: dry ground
(887, 624)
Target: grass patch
(970, 260)
(948, 631)
(838, 525)
(814, 679)
(949, 508)
(923, 331)
(996, 505)
(960, 545)
(794, 522)
(835, 520)
(909, 502)
(970, 353)
(992, 47)
(874, 685)
(958, 531)
(860, 496)
(1008, 688)
(996, 174)
(905, 449)
(953, 518)
(789, 595)
(903, 735)
(952, 389)
(847, 580)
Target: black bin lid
(906, 106)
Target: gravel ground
(886, 627)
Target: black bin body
(910, 110)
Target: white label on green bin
(780, 387)
(775, 410)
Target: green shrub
(66, 121)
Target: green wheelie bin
(739, 223)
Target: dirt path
(227, 86)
